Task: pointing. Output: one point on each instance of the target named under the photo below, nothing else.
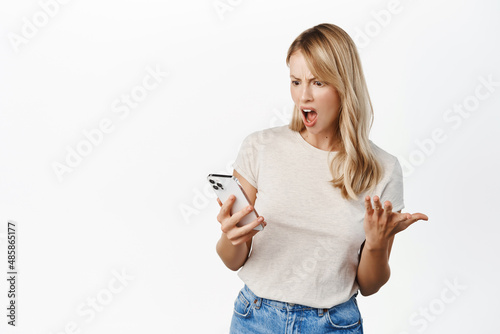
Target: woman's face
(310, 94)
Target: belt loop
(257, 301)
(322, 311)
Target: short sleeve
(393, 190)
(246, 161)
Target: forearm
(373, 269)
(232, 256)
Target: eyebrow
(294, 77)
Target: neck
(323, 141)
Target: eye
(295, 82)
(319, 83)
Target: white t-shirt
(308, 252)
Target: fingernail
(249, 208)
(261, 219)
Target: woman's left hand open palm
(381, 223)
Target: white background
(137, 203)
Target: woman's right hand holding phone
(236, 234)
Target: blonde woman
(314, 180)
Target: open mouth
(310, 116)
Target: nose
(306, 94)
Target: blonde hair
(332, 57)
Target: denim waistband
(257, 301)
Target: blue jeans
(255, 315)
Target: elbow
(228, 264)
(232, 264)
(233, 268)
(368, 292)
(371, 288)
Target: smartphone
(226, 185)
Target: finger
(230, 200)
(404, 225)
(368, 205)
(377, 205)
(417, 216)
(249, 227)
(225, 211)
(238, 216)
(412, 219)
(238, 232)
(420, 216)
(244, 238)
(403, 216)
(218, 201)
(387, 208)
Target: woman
(313, 180)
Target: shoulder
(382, 154)
(264, 136)
(391, 186)
(389, 162)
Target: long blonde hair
(332, 57)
